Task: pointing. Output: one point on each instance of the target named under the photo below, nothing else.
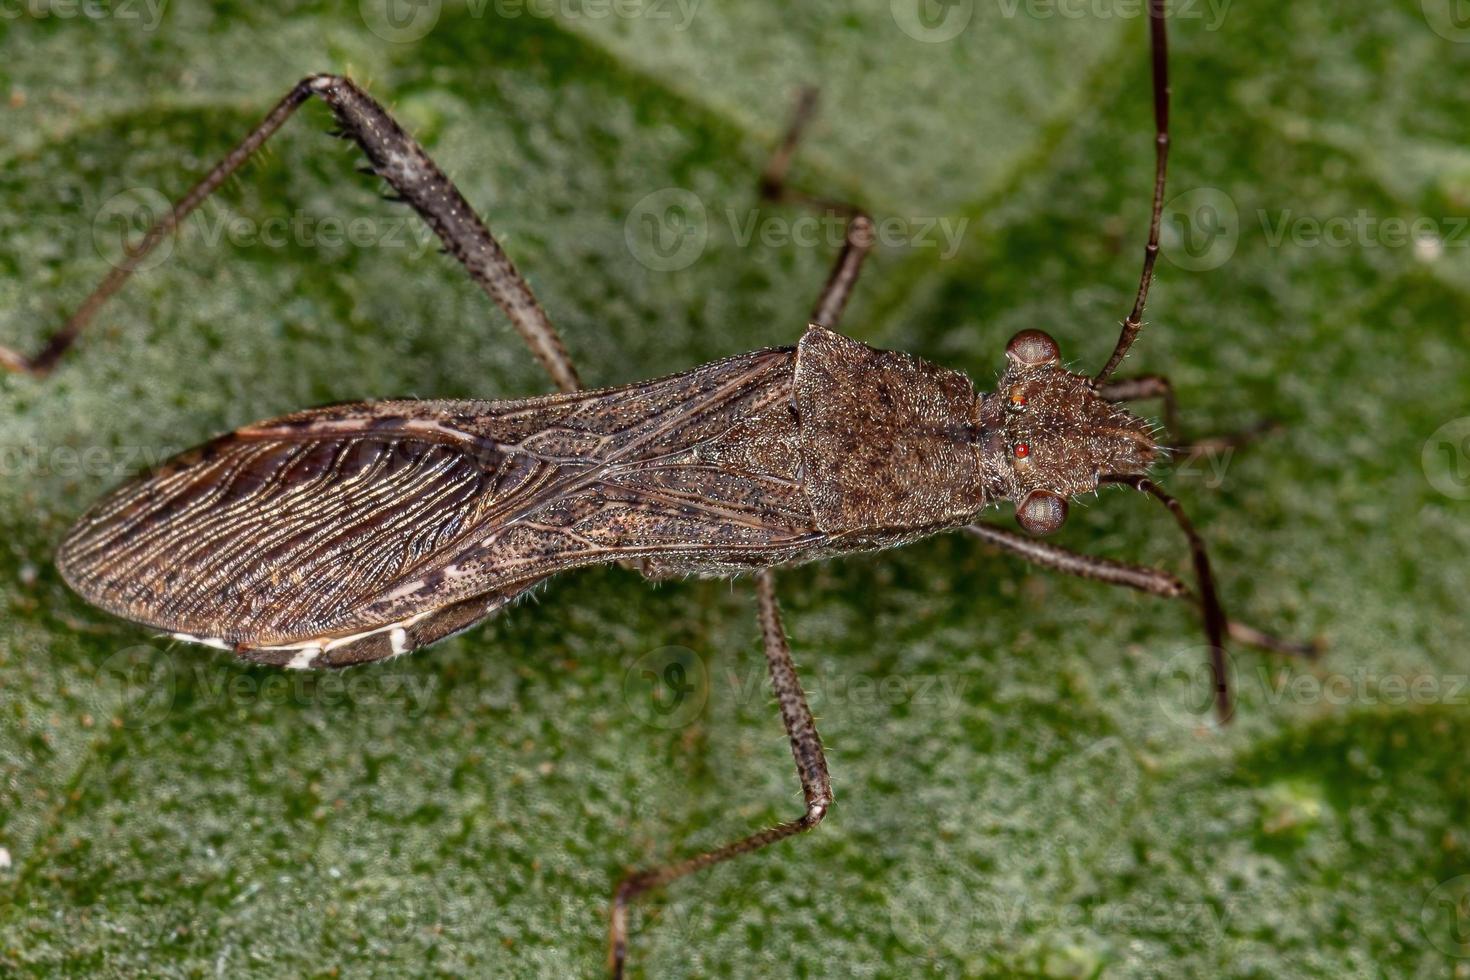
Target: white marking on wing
(308, 650)
(209, 641)
(304, 657)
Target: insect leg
(1160, 47)
(1154, 581)
(773, 186)
(399, 160)
(1209, 599)
(811, 768)
(1158, 386)
(859, 234)
(57, 345)
(838, 290)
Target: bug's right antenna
(1134, 323)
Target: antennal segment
(1134, 323)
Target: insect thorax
(888, 441)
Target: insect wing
(353, 532)
(279, 535)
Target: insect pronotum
(352, 533)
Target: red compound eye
(1022, 450)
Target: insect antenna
(1209, 599)
(1134, 323)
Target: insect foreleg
(811, 768)
(1183, 448)
(404, 164)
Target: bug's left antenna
(1160, 45)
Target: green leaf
(1023, 786)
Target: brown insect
(348, 534)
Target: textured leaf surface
(1023, 785)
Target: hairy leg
(811, 769)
